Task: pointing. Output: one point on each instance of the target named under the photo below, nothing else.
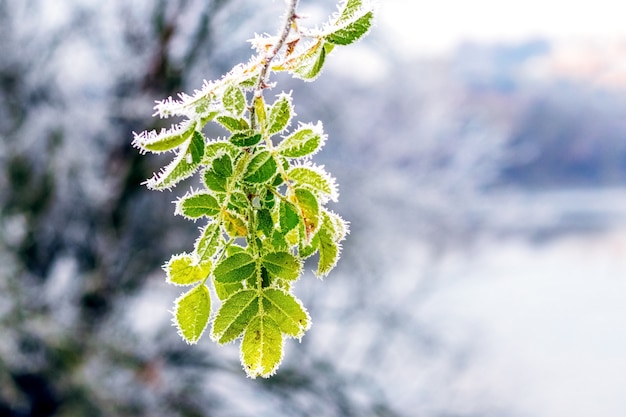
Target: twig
(290, 16)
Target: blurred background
(480, 149)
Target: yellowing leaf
(286, 311)
(329, 253)
(337, 226)
(309, 210)
(183, 270)
(259, 110)
(261, 347)
(235, 226)
(191, 313)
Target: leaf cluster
(261, 197)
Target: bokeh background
(480, 149)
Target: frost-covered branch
(263, 204)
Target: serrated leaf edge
(217, 336)
(175, 321)
(303, 329)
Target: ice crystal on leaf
(263, 200)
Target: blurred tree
(81, 242)
(79, 237)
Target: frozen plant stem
(263, 205)
(290, 18)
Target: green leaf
(307, 140)
(293, 236)
(217, 148)
(265, 278)
(282, 265)
(214, 182)
(261, 347)
(315, 179)
(203, 104)
(288, 216)
(307, 249)
(329, 252)
(224, 291)
(309, 209)
(349, 9)
(278, 181)
(183, 166)
(259, 109)
(250, 82)
(222, 166)
(309, 65)
(217, 176)
(238, 200)
(206, 118)
(195, 152)
(353, 31)
(336, 226)
(166, 139)
(233, 124)
(183, 270)
(261, 168)
(270, 200)
(233, 249)
(265, 222)
(280, 115)
(234, 100)
(245, 139)
(234, 316)
(235, 268)
(278, 241)
(197, 205)
(191, 313)
(234, 224)
(210, 239)
(286, 311)
(332, 231)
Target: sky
(434, 27)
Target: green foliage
(192, 312)
(305, 141)
(263, 199)
(237, 267)
(183, 270)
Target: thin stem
(290, 17)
